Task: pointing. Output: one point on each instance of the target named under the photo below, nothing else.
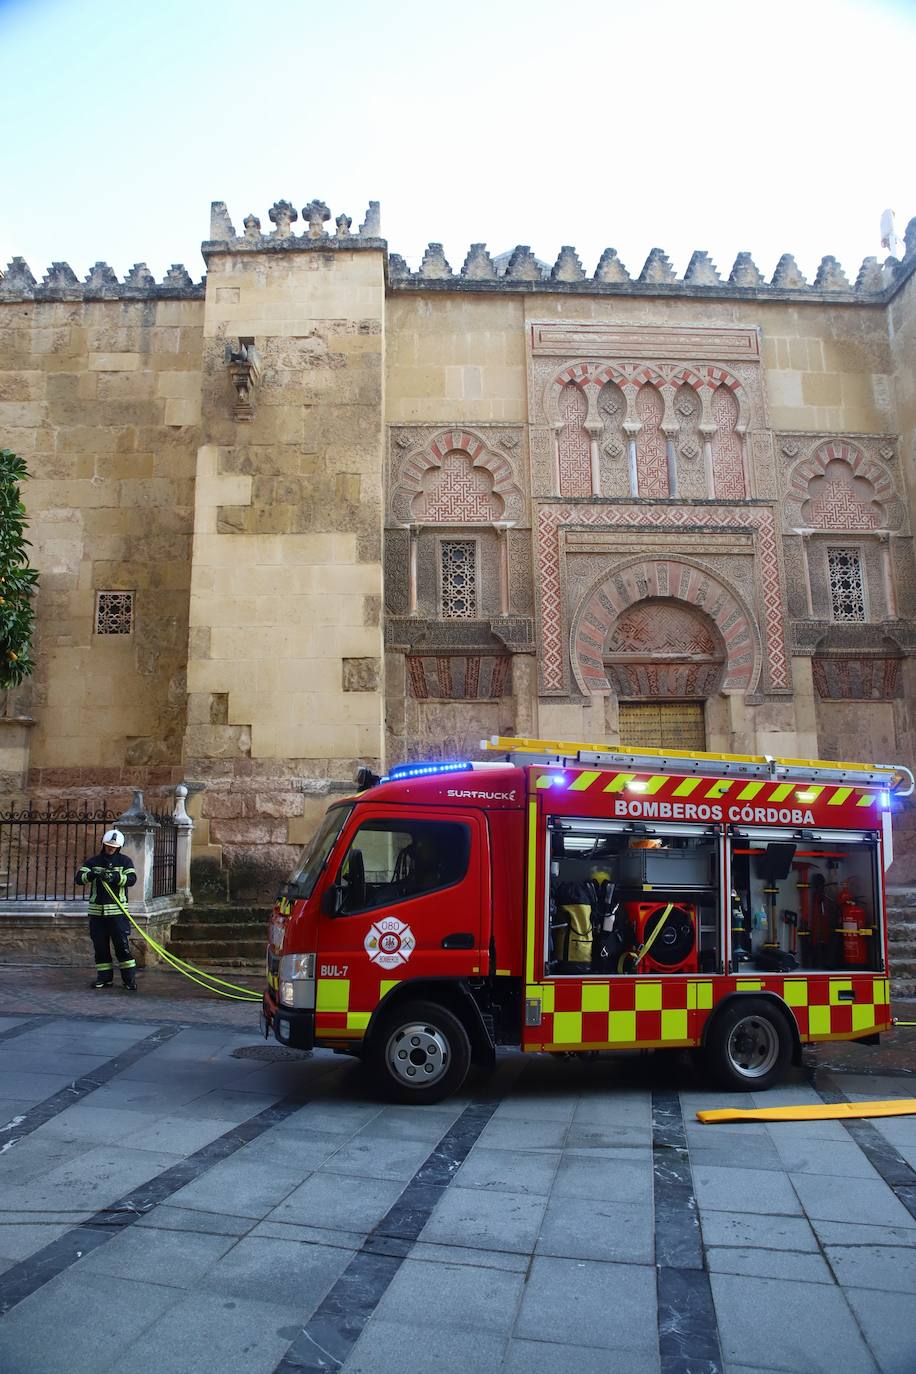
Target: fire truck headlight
(297, 981)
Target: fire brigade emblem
(389, 943)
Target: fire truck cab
(569, 898)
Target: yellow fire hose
(637, 954)
(183, 967)
(840, 1111)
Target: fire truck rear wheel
(422, 1053)
(749, 1046)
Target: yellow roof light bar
(887, 776)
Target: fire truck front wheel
(749, 1046)
(421, 1052)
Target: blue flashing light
(554, 779)
(426, 770)
(884, 801)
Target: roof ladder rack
(889, 777)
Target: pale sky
(774, 127)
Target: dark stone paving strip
(878, 1150)
(25, 1278)
(80, 1087)
(330, 1334)
(688, 1335)
(27, 1024)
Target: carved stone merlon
(523, 265)
(788, 273)
(397, 267)
(252, 227)
(745, 272)
(317, 214)
(60, 274)
(701, 270)
(283, 215)
(221, 230)
(245, 370)
(610, 268)
(371, 227)
(871, 276)
(909, 237)
(657, 270)
(101, 280)
(18, 279)
(177, 275)
(344, 223)
(830, 276)
(478, 265)
(140, 276)
(567, 266)
(435, 265)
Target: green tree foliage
(17, 580)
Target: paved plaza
(178, 1195)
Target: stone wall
(102, 399)
(284, 477)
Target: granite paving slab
(783, 1325)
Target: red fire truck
(567, 898)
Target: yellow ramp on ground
(825, 1111)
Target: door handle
(460, 939)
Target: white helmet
(113, 837)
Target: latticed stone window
(847, 589)
(114, 613)
(459, 579)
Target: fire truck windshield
(305, 875)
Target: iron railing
(42, 847)
(165, 856)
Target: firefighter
(107, 923)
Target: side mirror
(332, 901)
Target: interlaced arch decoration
(671, 580)
(440, 483)
(822, 496)
(590, 375)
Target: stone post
(184, 828)
(139, 829)
(15, 739)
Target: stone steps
(901, 935)
(221, 936)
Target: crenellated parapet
(60, 283)
(283, 237)
(520, 270)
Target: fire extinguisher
(852, 929)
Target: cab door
(409, 899)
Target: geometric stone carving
(839, 500)
(452, 478)
(728, 467)
(669, 520)
(456, 677)
(670, 613)
(824, 487)
(857, 677)
(523, 265)
(18, 279)
(177, 275)
(140, 276)
(651, 445)
(573, 443)
(871, 277)
(101, 280)
(60, 274)
(457, 493)
(661, 648)
(221, 230)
